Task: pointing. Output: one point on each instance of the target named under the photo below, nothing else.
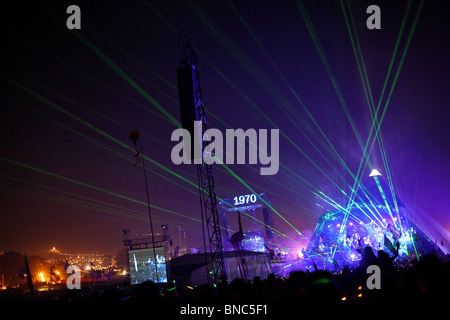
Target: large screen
(142, 265)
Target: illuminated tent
(376, 218)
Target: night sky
(69, 99)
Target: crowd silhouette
(427, 279)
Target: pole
(149, 210)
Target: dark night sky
(69, 99)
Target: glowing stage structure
(375, 219)
(254, 236)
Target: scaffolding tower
(192, 109)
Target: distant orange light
(41, 277)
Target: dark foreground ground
(425, 286)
